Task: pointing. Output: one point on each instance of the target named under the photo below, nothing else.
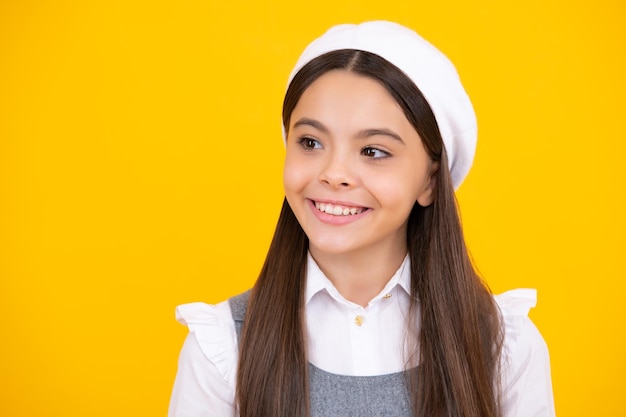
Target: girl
(367, 303)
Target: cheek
(401, 195)
(399, 198)
(401, 188)
(293, 174)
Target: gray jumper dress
(334, 395)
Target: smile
(338, 210)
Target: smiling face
(354, 167)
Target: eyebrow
(310, 122)
(363, 134)
(385, 132)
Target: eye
(374, 153)
(309, 143)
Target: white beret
(431, 71)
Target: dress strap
(238, 306)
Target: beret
(430, 70)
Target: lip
(333, 219)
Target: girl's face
(354, 167)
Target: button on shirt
(348, 339)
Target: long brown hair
(453, 370)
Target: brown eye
(374, 153)
(309, 143)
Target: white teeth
(337, 210)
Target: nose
(338, 172)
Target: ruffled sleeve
(207, 365)
(526, 381)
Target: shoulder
(520, 334)
(514, 307)
(212, 330)
(525, 363)
(207, 365)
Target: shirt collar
(316, 281)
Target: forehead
(348, 95)
(340, 80)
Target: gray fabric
(341, 395)
(357, 396)
(238, 306)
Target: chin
(330, 247)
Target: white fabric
(426, 66)
(205, 383)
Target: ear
(425, 198)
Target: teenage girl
(368, 304)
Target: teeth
(338, 210)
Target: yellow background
(140, 168)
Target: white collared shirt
(348, 339)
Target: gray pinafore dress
(341, 395)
